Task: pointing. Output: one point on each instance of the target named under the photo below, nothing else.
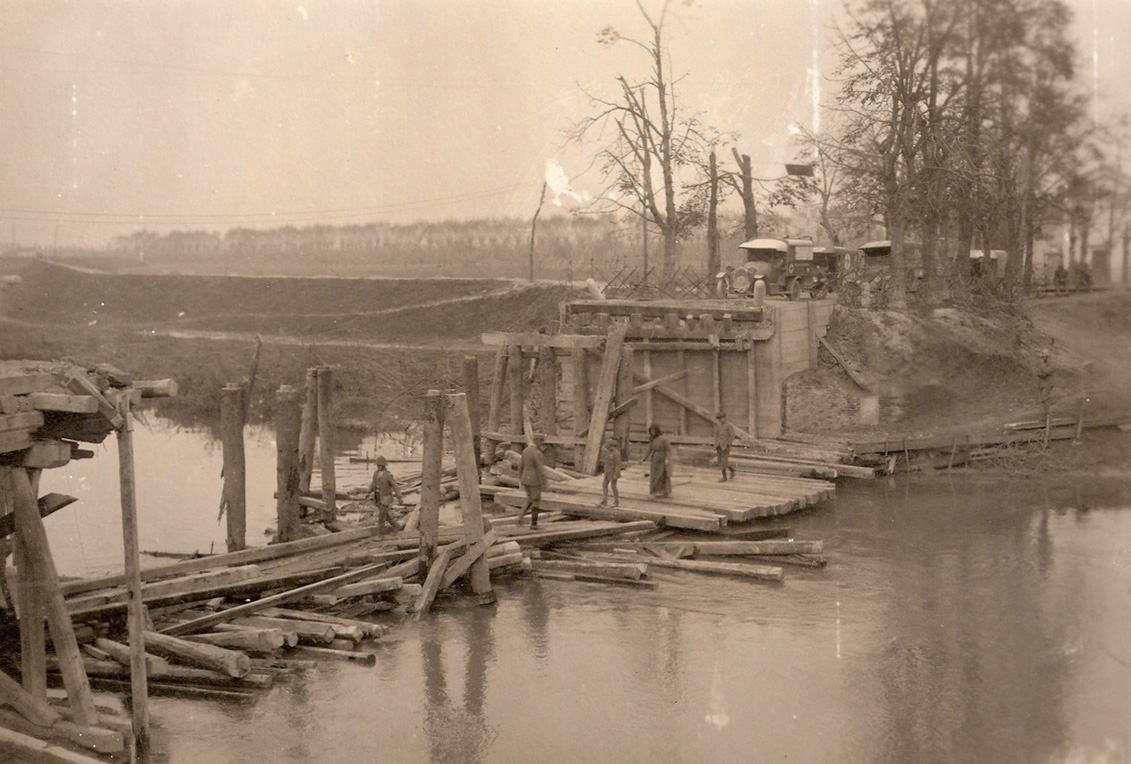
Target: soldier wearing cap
(384, 488)
(532, 480)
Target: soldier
(611, 466)
(532, 480)
(724, 437)
(384, 487)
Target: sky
(210, 114)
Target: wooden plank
(308, 433)
(327, 439)
(14, 404)
(288, 437)
(366, 588)
(47, 504)
(28, 383)
(432, 582)
(26, 420)
(632, 570)
(534, 339)
(692, 406)
(234, 501)
(34, 709)
(77, 383)
(46, 454)
(603, 396)
(579, 369)
(206, 621)
(628, 510)
(461, 565)
(738, 310)
(741, 570)
(154, 664)
(75, 404)
(38, 750)
(467, 473)
(432, 475)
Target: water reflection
(457, 728)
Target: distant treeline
(564, 248)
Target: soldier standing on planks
(659, 464)
(724, 437)
(611, 466)
(532, 479)
(384, 487)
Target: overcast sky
(163, 114)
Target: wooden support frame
(603, 395)
(516, 381)
(495, 404)
(467, 472)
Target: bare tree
(648, 141)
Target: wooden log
(262, 641)
(468, 475)
(290, 638)
(603, 396)
(365, 659)
(471, 389)
(46, 455)
(28, 383)
(625, 399)
(505, 560)
(652, 385)
(752, 548)
(431, 475)
(177, 674)
(14, 404)
(507, 547)
(230, 662)
(329, 584)
(580, 373)
(495, 404)
(156, 388)
(370, 629)
(308, 434)
(742, 570)
(517, 384)
(327, 440)
(234, 501)
(460, 566)
(154, 664)
(27, 420)
(288, 433)
(38, 554)
(368, 588)
(309, 632)
(98, 739)
(631, 570)
(548, 390)
(432, 582)
(32, 708)
(628, 510)
(75, 404)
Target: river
(961, 618)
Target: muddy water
(960, 619)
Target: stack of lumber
(801, 455)
(47, 408)
(226, 624)
(698, 501)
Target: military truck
(787, 267)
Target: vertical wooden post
(431, 469)
(621, 425)
(681, 359)
(495, 406)
(767, 357)
(471, 388)
(717, 379)
(751, 392)
(548, 390)
(603, 396)
(649, 416)
(326, 440)
(518, 395)
(235, 469)
(467, 473)
(308, 436)
(580, 404)
(288, 436)
(28, 601)
(30, 525)
(139, 688)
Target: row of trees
(956, 123)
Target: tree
(649, 142)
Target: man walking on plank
(532, 480)
(724, 437)
(384, 488)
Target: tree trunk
(713, 260)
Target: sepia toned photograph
(592, 381)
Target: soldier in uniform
(384, 488)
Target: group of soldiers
(531, 473)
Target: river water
(960, 619)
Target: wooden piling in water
(234, 502)
(139, 692)
(28, 600)
(431, 469)
(471, 388)
(326, 440)
(308, 435)
(459, 425)
(288, 437)
(495, 405)
(518, 395)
